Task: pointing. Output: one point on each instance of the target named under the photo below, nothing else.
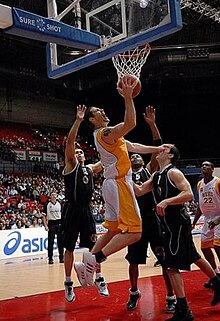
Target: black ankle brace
(100, 257)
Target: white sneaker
(81, 273)
(101, 286)
(69, 293)
(90, 266)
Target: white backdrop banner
(23, 242)
(20, 154)
(50, 157)
(29, 241)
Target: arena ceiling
(192, 52)
(181, 77)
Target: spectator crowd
(22, 199)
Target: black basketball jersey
(145, 202)
(163, 188)
(79, 185)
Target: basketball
(136, 89)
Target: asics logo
(13, 243)
(18, 243)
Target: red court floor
(90, 306)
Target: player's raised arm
(70, 158)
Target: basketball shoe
(182, 315)
(81, 273)
(90, 267)
(170, 304)
(216, 297)
(101, 286)
(133, 300)
(69, 293)
(208, 284)
(157, 263)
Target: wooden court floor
(32, 290)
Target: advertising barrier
(29, 241)
(23, 242)
(34, 241)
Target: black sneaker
(50, 261)
(216, 297)
(170, 304)
(157, 263)
(181, 315)
(208, 284)
(61, 260)
(133, 301)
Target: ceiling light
(144, 3)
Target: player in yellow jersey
(122, 216)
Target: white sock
(98, 275)
(68, 279)
(173, 297)
(134, 292)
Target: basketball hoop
(130, 62)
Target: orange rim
(142, 51)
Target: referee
(52, 224)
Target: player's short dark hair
(87, 115)
(176, 154)
(208, 163)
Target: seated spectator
(13, 191)
(9, 209)
(2, 224)
(34, 222)
(14, 225)
(25, 222)
(61, 196)
(37, 213)
(40, 222)
(20, 224)
(7, 224)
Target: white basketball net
(131, 61)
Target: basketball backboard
(88, 32)
(121, 24)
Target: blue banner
(29, 25)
